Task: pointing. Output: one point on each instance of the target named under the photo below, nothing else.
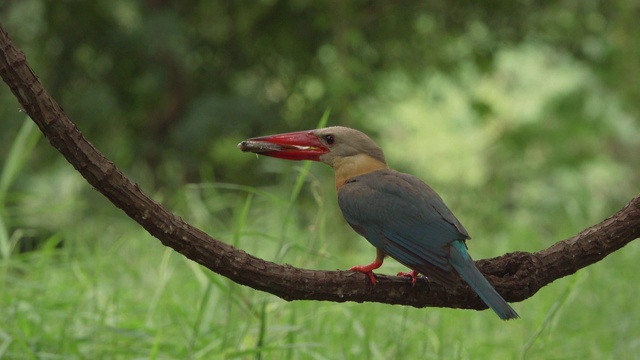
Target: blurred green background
(524, 116)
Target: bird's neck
(346, 168)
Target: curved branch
(517, 276)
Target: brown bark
(517, 276)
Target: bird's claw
(366, 269)
(412, 274)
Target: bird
(399, 214)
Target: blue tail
(464, 265)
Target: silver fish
(258, 146)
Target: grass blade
(20, 150)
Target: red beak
(300, 145)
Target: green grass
(114, 292)
(111, 291)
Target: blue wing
(403, 217)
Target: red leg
(412, 274)
(368, 269)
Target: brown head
(349, 151)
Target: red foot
(412, 274)
(368, 269)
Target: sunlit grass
(113, 291)
(99, 286)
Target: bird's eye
(329, 139)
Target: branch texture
(517, 276)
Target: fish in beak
(300, 145)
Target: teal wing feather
(403, 217)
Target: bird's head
(335, 146)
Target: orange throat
(346, 168)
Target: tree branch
(517, 276)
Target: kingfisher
(400, 215)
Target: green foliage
(165, 80)
(113, 291)
(16, 158)
(512, 141)
(524, 116)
